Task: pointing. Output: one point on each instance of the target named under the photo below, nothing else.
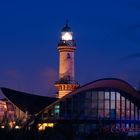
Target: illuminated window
(106, 104)
(112, 95)
(66, 36)
(127, 125)
(127, 109)
(132, 111)
(118, 96)
(122, 107)
(56, 110)
(113, 104)
(118, 105)
(57, 106)
(107, 95)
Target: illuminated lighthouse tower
(66, 48)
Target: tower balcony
(67, 43)
(65, 81)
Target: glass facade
(109, 106)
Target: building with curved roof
(20, 106)
(99, 104)
(104, 103)
(27, 102)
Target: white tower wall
(66, 48)
(66, 65)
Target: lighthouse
(66, 48)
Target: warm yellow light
(66, 36)
(50, 125)
(2, 126)
(40, 128)
(11, 124)
(43, 126)
(17, 127)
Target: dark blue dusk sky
(107, 33)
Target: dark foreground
(60, 134)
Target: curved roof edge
(26, 101)
(112, 83)
(107, 79)
(107, 83)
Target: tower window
(68, 78)
(68, 56)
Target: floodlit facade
(7, 112)
(3, 108)
(66, 48)
(19, 107)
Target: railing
(63, 81)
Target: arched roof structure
(27, 102)
(110, 83)
(106, 83)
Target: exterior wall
(20, 115)
(66, 82)
(105, 107)
(63, 93)
(66, 65)
(66, 48)
(3, 109)
(64, 89)
(7, 112)
(102, 105)
(10, 114)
